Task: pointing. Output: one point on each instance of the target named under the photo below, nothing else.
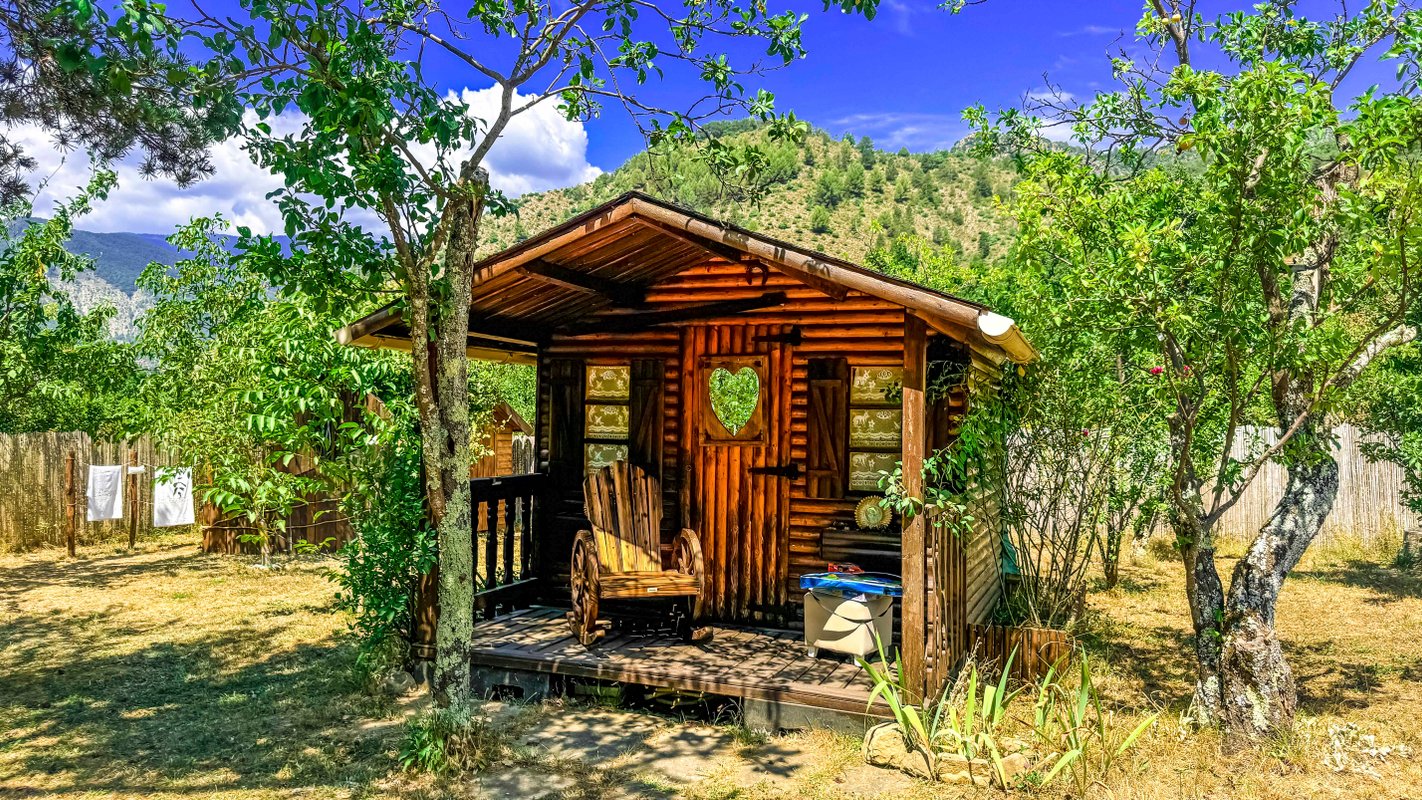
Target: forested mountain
(842, 197)
(119, 258)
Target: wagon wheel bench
(620, 558)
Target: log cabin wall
(498, 456)
(861, 330)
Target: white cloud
(902, 15)
(237, 189)
(916, 131)
(539, 150)
(1091, 30)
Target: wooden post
(132, 499)
(425, 620)
(70, 503)
(915, 640)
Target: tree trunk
(1259, 696)
(1205, 594)
(1194, 536)
(447, 455)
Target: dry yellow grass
(166, 673)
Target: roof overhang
(386, 329)
(960, 319)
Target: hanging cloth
(105, 495)
(172, 497)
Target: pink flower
(1157, 370)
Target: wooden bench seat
(621, 557)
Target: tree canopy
(59, 370)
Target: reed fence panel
(1369, 503)
(32, 488)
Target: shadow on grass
(1159, 658)
(96, 703)
(171, 717)
(100, 570)
(1388, 583)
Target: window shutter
(948, 366)
(827, 434)
(644, 416)
(565, 414)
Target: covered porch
(765, 669)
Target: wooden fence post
(914, 544)
(69, 502)
(132, 499)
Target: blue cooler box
(849, 612)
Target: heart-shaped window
(734, 397)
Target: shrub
(985, 242)
(1074, 726)
(437, 742)
(903, 189)
(820, 219)
(829, 189)
(982, 184)
(874, 181)
(854, 181)
(394, 546)
(867, 154)
(966, 719)
(927, 188)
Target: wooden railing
(504, 547)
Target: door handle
(791, 471)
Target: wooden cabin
(497, 440)
(636, 314)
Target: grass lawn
(166, 673)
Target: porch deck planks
(737, 662)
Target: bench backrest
(624, 505)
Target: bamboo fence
(32, 502)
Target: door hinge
(783, 471)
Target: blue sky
(903, 79)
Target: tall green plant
(1075, 727)
(252, 389)
(393, 547)
(966, 719)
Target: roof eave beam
(623, 323)
(735, 255)
(619, 294)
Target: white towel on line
(172, 497)
(105, 495)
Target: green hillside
(843, 197)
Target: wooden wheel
(687, 559)
(583, 580)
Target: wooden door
(736, 490)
